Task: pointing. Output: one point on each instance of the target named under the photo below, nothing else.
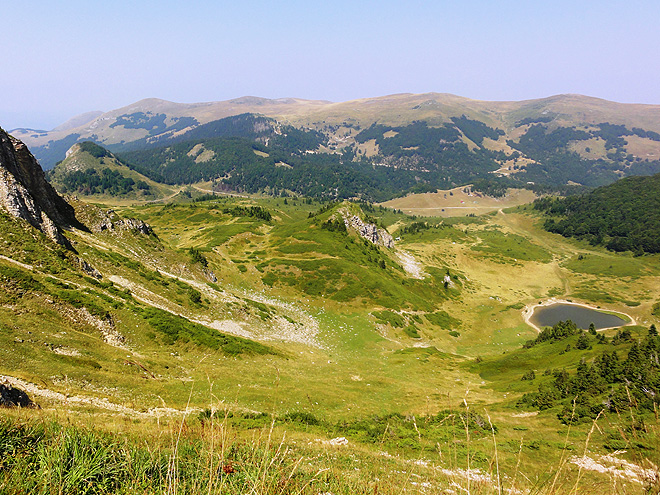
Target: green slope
(268, 310)
(92, 171)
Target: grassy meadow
(225, 353)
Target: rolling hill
(92, 171)
(437, 140)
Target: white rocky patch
(303, 331)
(368, 231)
(410, 265)
(66, 351)
(615, 467)
(110, 334)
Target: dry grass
(455, 202)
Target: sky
(60, 59)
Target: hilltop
(90, 170)
(129, 123)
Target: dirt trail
(163, 199)
(22, 265)
(35, 391)
(210, 191)
(565, 282)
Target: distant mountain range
(393, 144)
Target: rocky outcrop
(14, 397)
(86, 268)
(369, 231)
(25, 193)
(112, 222)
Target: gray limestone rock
(369, 231)
(25, 193)
(112, 222)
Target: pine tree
(582, 342)
(592, 329)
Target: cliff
(25, 193)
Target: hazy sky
(62, 58)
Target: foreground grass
(42, 456)
(217, 452)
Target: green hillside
(283, 167)
(597, 376)
(292, 161)
(565, 155)
(381, 162)
(90, 170)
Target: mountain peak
(78, 120)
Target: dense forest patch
(624, 216)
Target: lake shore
(528, 312)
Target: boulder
(14, 397)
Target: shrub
(390, 317)
(175, 328)
(195, 296)
(196, 256)
(19, 278)
(582, 342)
(442, 319)
(411, 331)
(529, 375)
(301, 417)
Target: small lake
(547, 316)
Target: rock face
(25, 193)
(111, 222)
(14, 397)
(369, 231)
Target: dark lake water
(547, 316)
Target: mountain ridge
(422, 142)
(79, 120)
(301, 110)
